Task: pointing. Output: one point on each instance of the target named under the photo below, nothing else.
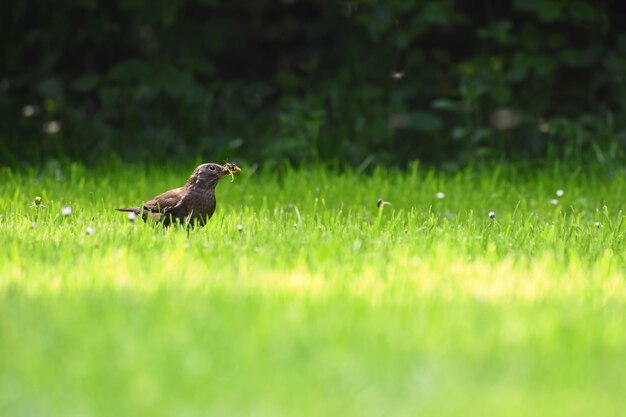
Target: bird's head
(207, 175)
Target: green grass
(427, 307)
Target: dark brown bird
(193, 203)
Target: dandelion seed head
(554, 201)
(440, 195)
(560, 193)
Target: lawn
(303, 298)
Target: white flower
(89, 230)
(492, 215)
(66, 211)
(240, 228)
(29, 110)
(598, 224)
(440, 195)
(132, 216)
(398, 75)
(554, 201)
(52, 127)
(560, 193)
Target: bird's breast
(202, 203)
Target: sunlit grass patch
(303, 296)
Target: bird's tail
(129, 209)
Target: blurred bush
(357, 81)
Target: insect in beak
(232, 169)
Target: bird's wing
(163, 202)
(170, 203)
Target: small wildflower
(132, 216)
(560, 193)
(33, 225)
(89, 230)
(440, 195)
(380, 203)
(52, 127)
(398, 75)
(295, 225)
(492, 215)
(240, 228)
(29, 110)
(598, 224)
(505, 118)
(66, 211)
(554, 201)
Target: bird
(193, 203)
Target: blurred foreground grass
(301, 297)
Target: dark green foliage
(371, 81)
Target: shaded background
(445, 82)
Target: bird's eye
(212, 167)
